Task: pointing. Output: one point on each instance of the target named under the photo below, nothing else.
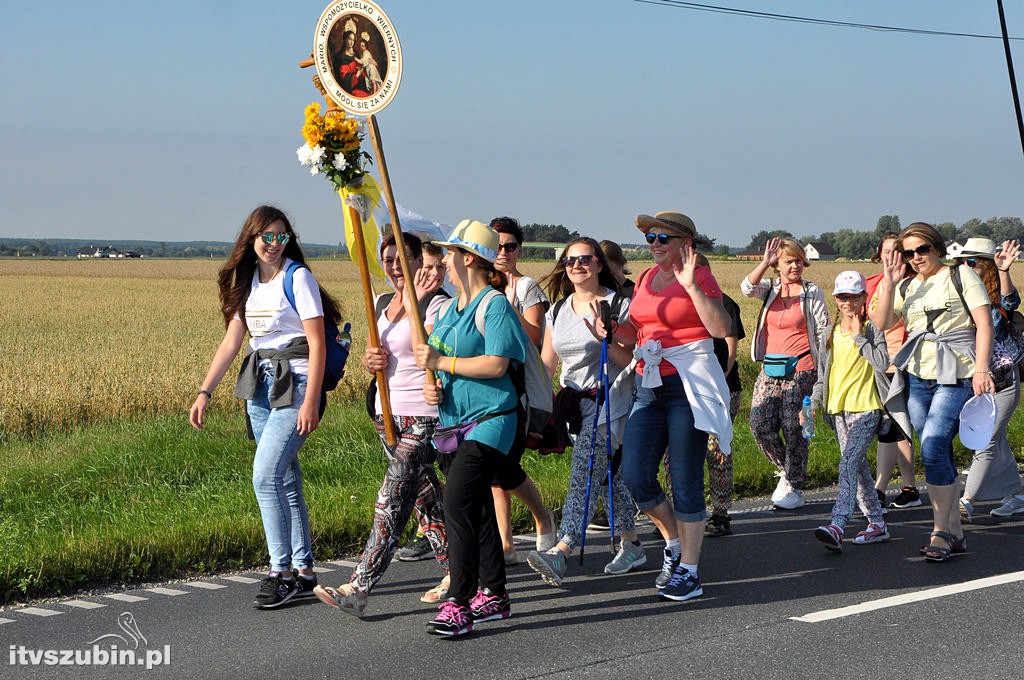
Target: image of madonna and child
(475, 341)
(280, 379)
(410, 482)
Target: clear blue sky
(171, 121)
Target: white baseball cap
(978, 421)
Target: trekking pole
(608, 439)
(590, 472)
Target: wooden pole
(372, 334)
(412, 307)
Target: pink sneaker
(486, 606)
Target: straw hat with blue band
(670, 220)
(476, 237)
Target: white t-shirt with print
(270, 318)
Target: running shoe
(668, 566)
(486, 606)
(452, 621)
(682, 586)
(1012, 505)
(550, 565)
(628, 557)
(418, 548)
(275, 591)
(909, 497)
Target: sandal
(934, 553)
(438, 592)
(957, 546)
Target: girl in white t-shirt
(281, 380)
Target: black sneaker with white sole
(304, 585)
(274, 592)
(909, 497)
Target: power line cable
(678, 4)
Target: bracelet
(989, 372)
(1003, 270)
(208, 395)
(452, 369)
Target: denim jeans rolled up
(935, 414)
(660, 423)
(276, 477)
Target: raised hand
(686, 266)
(892, 266)
(1008, 253)
(771, 252)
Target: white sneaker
(782, 488)
(1012, 505)
(792, 500)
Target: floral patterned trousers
(774, 407)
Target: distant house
(820, 251)
(750, 254)
(99, 251)
(953, 249)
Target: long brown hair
(987, 270)
(235, 278)
(557, 284)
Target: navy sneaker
(669, 563)
(682, 586)
(274, 592)
(304, 585)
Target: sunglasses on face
(583, 260)
(509, 247)
(922, 249)
(662, 239)
(269, 237)
(972, 261)
(847, 297)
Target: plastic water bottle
(345, 336)
(808, 426)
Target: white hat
(979, 247)
(978, 421)
(849, 282)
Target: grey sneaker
(550, 565)
(1012, 505)
(418, 548)
(629, 556)
(668, 566)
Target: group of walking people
(647, 378)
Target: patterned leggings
(410, 482)
(775, 405)
(855, 432)
(624, 512)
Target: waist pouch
(781, 365)
(447, 439)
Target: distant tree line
(15, 247)
(859, 245)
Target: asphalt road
(775, 606)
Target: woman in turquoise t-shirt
(473, 386)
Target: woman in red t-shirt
(676, 310)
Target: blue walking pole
(590, 468)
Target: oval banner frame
(361, 76)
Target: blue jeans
(661, 423)
(276, 476)
(935, 415)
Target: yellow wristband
(452, 370)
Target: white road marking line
(124, 597)
(345, 563)
(241, 579)
(907, 598)
(171, 592)
(37, 611)
(3, 621)
(762, 579)
(205, 585)
(322, 570)
(83, 604)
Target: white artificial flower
(305, 154)
(339, 162)
(314, 170)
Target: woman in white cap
(944, 361)
(475, 338)
(851, 386)
(994, 473)
(680, 394)
(790, 328)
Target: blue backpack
(337, 343)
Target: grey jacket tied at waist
(249, 373)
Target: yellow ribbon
(364, 199)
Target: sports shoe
(550, 565)
(669, 563)
(346, 598)
(418, 548)
(628, 556)
(881, 497)
(274, 592)
(966, 511)
(782, 488)
(1012, 505)
(304, 585)
(909, 497)
(718, 525)
(682, 586)
(875, 533)
(453, 620)
(486, 606)
(831, 536)
(791, 501)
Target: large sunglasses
(583, 260)
(922, 249)
(269, 237)
(509, 247)
(973, 261)
(663, 239)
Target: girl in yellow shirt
(851, 385)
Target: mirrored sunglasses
(269, 237)
(583, 260)
(663, 239)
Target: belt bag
(447, 439)
(781, 365)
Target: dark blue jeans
(661, 423)
(935, 415)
